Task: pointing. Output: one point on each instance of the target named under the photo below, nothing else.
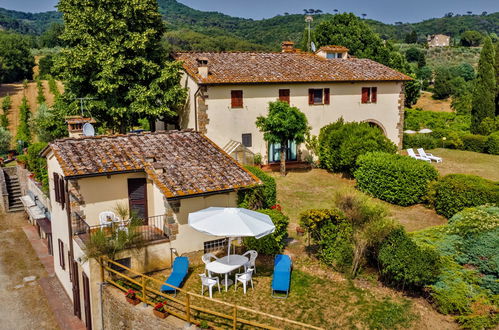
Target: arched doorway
(377, 124)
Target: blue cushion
(282, 273)
(179, 272)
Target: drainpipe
(196, 108)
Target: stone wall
(4, 200)
(118, 314)
(400, 125)
(28, 183)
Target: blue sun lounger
(281, 279)
(177, 277)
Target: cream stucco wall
(226, 123)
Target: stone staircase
(14, 190)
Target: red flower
(130, 294)
(160, 307)
(277, 207)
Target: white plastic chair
(252, 255)
(412, 154)
(244, 278)
(207, 259)
(104, 218)
(422, 153)
(210, 283)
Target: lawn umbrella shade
(231, 222)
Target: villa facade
(229, 90)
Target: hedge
(493, 143)
(396, 179)
(258, 197)
(454, 192)
(474, 142)
(425, 141)
(275, 242)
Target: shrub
(6, 104)
(417, 119)
(258, 197)
(396, 179)
(313, 220)
(38, 164)
(275, 242)
(340, 144)
(23, 131)
(474, 142)
(454, 192)
(5, 138)
(336, 247)
(425, 141)
(405, 263)
(492, 143)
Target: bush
(336, 248)
(405, 263)
(258, 197)
(313, 220)
(6, 104)
(340, 144)
(275, 242)
(492, 143)
(454, 192)
(474, 142)
(5, 138)
(418, 119)
(37, 164)
(425, 141)
(396, 179)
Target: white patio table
(226, 265)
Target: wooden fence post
(234, 324)
(188, 308)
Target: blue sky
(388, 11)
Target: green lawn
(468, 162)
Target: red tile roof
(253, 67)
(180, 163)
(333, 48)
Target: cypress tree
(484, 95)
(496, 67)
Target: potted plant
(204, 325)
(160, 310)
(22, 160)
(131, 297)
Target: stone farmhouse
(229, 90)
(161, 177)
(438, 40)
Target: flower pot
(133, 301)
(160, 314)
(300, 231)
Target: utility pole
(309, 20)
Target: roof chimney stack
(203, 67)
(75, 125)
(288, 47)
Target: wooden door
(86, 301)
(76, 288)
(137, 196)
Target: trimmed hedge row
(259, 197)
(275, 242)
(454, 192)
(396, 179)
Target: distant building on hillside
(438, 40)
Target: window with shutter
(236, 99)
(56, 187)
(326, 96)
(365, 94)
(61, 254)
(311, 96)
(62, 192)
(318, 96)
(284, 95)
(246, 140)
(374, 94)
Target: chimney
(203, 67)
(75, 125)
(288, 46)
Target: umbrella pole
(228, 254)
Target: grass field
(428, 103)
(468, 162)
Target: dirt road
(24, 306)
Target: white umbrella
(409, 131)
(425, 130)
(231, 222)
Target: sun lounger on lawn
(281, 279)
(422, 153)
(177, 277)
(412, 154)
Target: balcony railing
(150, 229)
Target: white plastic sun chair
(209, 282)
(251, 255)
(412, 154)
(107, 218)
(207, 259)
(244, 278)
(422, 153)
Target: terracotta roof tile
(254, 67)
(185, 162)
(333, 48)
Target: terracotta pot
(159, 314)
(133, 301)
(300, 231)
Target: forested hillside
(191, 29)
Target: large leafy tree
(496, 68)
(484, 95)
(113, 55)
(16, 61)
(284, 123)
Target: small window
(284, 95)
(369, 95)
(216, 245)
(246, 140)
(318, 96)
(331, 55)
(61, 254)
(236, 99)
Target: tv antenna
(309, 20)
(82, 99)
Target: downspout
(196, 108)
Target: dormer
(332, 51)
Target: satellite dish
(313, 47)
(88, 130)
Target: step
(16, 209)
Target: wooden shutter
(61, 254)
(310, 96)
(236, 99)
(326, 96)
(284, 95)
(365, 94)
(62, 192)
(137, 197)
(374, 95)
(56, 187)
